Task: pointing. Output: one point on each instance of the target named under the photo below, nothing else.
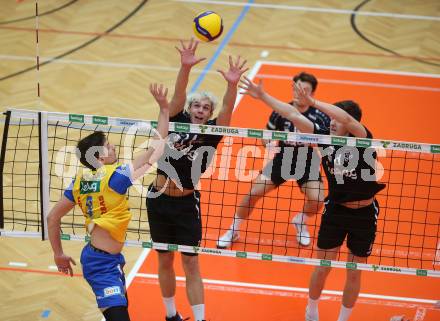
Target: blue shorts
(104, 273)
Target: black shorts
(175, 220)
(273, 169)
(358, 225)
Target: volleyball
(208, 26)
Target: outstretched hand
(63, 264)
(187, 53)
(159, 93)
(302, 97)
(252, 89)
(236, 69)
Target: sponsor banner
(125, 122)
(325, 263)
(266, 257)
(420, 272)
(172, 247)
(99, 120)
(405, 146)
(242, 255)
(182, 127)
(279, 136)
(339, 141)
(351, 265)
(255, 133)
(385, 268)
(308, 139)
(147, 245)
(363, 143)
(210, 251)
(435, 149)
(222, 130)
(77, 118)
(65, 237)
(294, 259)
(87, 238)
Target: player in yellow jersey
(100, 191)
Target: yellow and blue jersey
(101, 195)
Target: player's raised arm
(284, 109)
(143, 161)
(187, 61)
(353, 126)
(232, 76)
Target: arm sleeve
(121, 179)
(68, 191)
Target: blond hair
(199, 96)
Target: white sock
(344, 313)
(312, 308)
(302, 218)
(170, 306)
(198, 311)
(236, 224)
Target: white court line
(20, 264)
(293, 289)
(355, 83)
(134, 271)
(373, 71)
(251, 74)
(98, 63)
(315, 9)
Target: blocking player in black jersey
(300, 168)
(173, 200)
(351, 209)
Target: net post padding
(2, 164)
(44, 173)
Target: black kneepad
(119, 313)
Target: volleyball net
(38, 162)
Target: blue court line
(45, 314)
(221, 46)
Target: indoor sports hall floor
(100, 56)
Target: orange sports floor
(395, 107)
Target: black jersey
(278, 122)
(350, 171)
(292, 149)
(188, 154)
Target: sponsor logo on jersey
(113, 290)
(89, 187)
